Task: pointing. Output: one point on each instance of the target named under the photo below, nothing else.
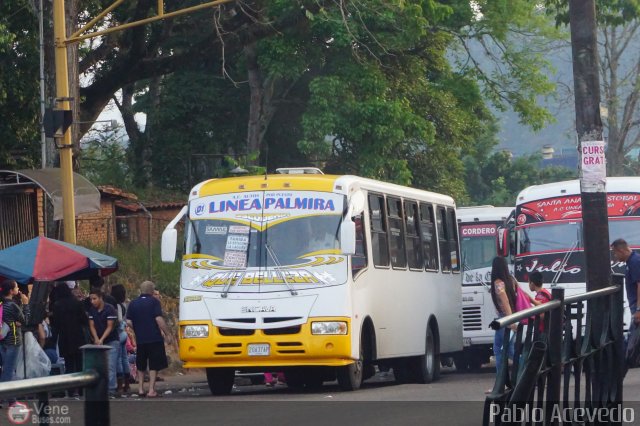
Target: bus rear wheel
(220, 380)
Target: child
(542, 295)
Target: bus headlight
(329, 327)
(195, 331)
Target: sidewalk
(176, 383)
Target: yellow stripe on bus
(324, 183)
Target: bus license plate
(466, 341)
(258, 349)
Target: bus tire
(427, 366)
(350, 376)
(220, 380)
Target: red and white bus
(549, 229)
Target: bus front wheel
(220, 380)
(350, 376)
(427, 366)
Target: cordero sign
(478, 230)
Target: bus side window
(443, 240)
(452, 232)
(379, 246)
(359, 260)
(396, 233)
(414, 249)
(428, 237)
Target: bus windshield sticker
(237, 242)
(215, 230)
(238, 229)
(235, 259)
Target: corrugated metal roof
(86, 196)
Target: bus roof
(572, 187)
(483, 214)
(344, 184)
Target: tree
(620, 72)
(19, 91)
(619, 39)
(104, 159)
(497, 179)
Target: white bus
(318, 276)
(549, 230)
(478, 229)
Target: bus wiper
(565, 259)
(228, 285)
(465, 268)
(279, 269)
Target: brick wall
(138, 225)
(97, 230)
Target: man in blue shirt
(623, 253)
(104, 331)
(144, 315)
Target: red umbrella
(46, 259)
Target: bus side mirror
(169, 244)
(170, 238)
(503, 242)
(348, 236)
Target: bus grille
(472, 318)
(235, 331)
(283, 330)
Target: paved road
(457, 399)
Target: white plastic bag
(38, 363)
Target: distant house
(135, 221)
(567, 157)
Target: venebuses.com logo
(20, 413)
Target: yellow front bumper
(298, 349)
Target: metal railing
(94, 379)
(568, 361)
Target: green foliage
(195, 114)
(19, 88)
(608, 12)
(104, 160)
(133, 261)
(502, 44)
(497, 180)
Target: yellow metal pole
(76, 37)
(62, 102)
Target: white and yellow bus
(319, 276)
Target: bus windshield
(290, 242)
(549, 237)
(262, 241)
(477, 252)
(629, 229)
(562, 236)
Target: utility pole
(62, 103)
(586, 81)
(62, 88)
